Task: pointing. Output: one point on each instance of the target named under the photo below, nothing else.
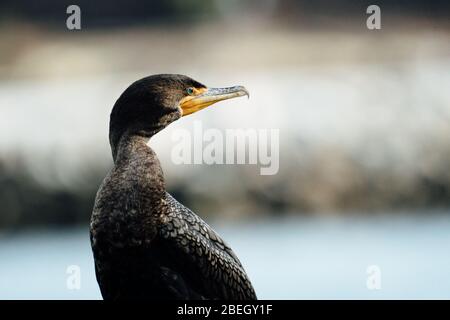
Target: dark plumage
(146, 245)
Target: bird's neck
(133, 156)
(121, 135)
(130, 146)
(129, 142)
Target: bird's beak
(204, 97)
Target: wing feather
(201, 250)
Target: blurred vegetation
(119, 13)
(329, 182)
(26, 202)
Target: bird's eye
(190, 91)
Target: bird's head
(150, 104)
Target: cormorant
(146, 245)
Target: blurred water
(286, 259)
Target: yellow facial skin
(201, 98)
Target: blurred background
(364, 120)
